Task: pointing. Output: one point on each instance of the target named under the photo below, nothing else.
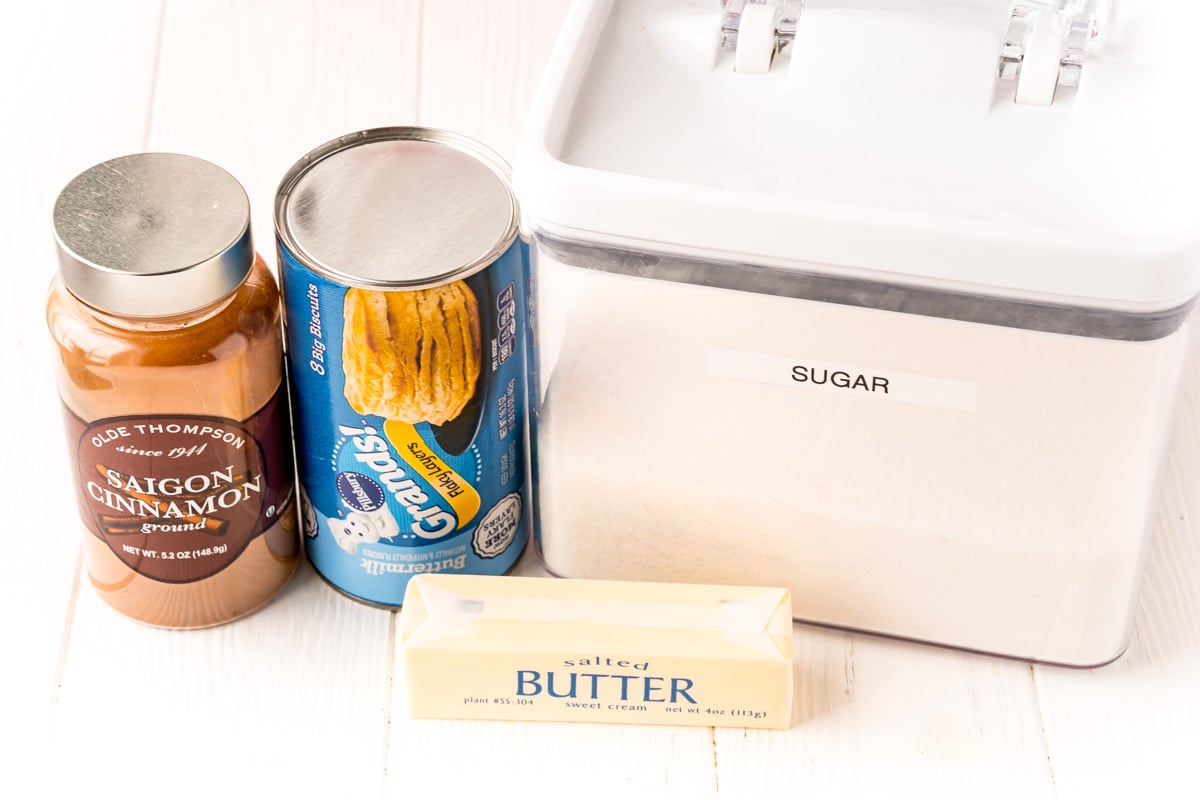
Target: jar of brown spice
(171, 377)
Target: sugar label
(806, 374)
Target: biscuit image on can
(411, 356)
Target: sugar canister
(885, 303)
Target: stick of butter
(494, 647)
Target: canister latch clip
(1043, 47)
(758, 30)
(1046, 43)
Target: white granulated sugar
(1016, 526)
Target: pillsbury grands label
(406, 349)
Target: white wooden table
(299, 699)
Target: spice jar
(175, 405)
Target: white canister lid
(882, 146)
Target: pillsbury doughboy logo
(368, 520)
(359, 491)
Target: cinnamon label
(178, 498)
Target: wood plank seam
(420, 76)
(154, 71)
(68, 623)
(1037, 701)
(388, 691)
(712, 737)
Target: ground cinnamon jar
(171, 377)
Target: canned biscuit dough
(404, 291)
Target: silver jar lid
(153, 234)
(397, 208)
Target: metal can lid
(153, 234)
(397, 208)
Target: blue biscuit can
(405, 285)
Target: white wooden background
(299, 700)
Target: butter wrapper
(485, 647)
